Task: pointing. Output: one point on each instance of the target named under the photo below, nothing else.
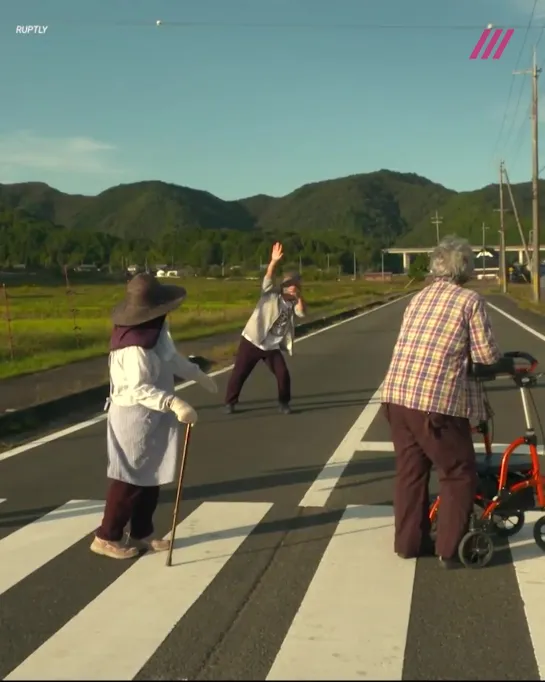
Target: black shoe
(229, 408)
(284, 408)
(424, 552)
(427, 549)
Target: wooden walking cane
(179, 493)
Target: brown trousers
(422, 440)
(247, 358)
(128, 503)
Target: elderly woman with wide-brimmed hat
(143, 434)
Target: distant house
(186, 271)
(168, 273)
(86, 268)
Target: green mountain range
(362, 213)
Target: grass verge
(47, 327)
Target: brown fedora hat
(145, 300)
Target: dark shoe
(448, 564)
(284, 408)
(426, 550)
(229, 409)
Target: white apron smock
(142, 442)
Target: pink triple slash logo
(492, 43)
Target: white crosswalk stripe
(31, 547)
(529, 563)
(323, 643)
(145, 603)
(352, 621)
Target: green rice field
(47, 326)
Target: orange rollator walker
(504, 493)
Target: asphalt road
(283, 567)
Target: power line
(513, 82)
(540, 37)
(518, 140)
(535, 269)
(303, 25)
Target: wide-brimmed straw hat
(146, 299)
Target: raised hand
(277, 252)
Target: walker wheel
(507, 524)
(476, 549)
(539, 533)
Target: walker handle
(521, 355)
(505, 365)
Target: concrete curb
(92, 400)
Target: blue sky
(106, 97)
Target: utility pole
(502, 210)
(517, 218)
(437, 220)
(355, 265)
(536, 260)
(484, 228)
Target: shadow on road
(207, 491)
(280, 478)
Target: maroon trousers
(128, 503)
(422, 440)
(247, 358)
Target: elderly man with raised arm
(429, 399)
(269, 331)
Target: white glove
(207, 382)
(183, 411)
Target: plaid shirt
(443, 326)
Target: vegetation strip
(92, 399)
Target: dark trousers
(422, 440)
(247, 358)
(128, 503)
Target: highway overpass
(407, 251)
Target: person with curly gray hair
(429, 399)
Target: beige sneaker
(151, 544)
(113, 550)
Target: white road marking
(497, 448)
(526, 327)
(31, 547)
(529, 562)
(353, 622)
(318, 493)
(117, 633)
(101, 417)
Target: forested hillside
(322, 222)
